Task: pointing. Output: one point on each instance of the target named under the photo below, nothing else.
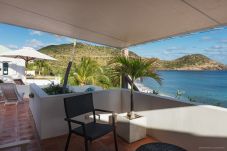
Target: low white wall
(34, 104)
(193, 127)
(108, 99)
(23, 90)
(49, 113)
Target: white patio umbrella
(28, 54)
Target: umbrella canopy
(117, 23)
(28, 54)
(4, 49)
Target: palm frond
(136, 68)
(89, 72)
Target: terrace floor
(16, 123)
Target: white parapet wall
(23, 90)
(191, 126)
(48, 111)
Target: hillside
(190, 62)
(104, 54)
(63, 54)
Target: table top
(159, 147)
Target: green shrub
(55, 89)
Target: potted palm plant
(135, 68)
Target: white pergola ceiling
(117, 23)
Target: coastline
(205, 87)
(145, 89)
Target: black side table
(159, 147)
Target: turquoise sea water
(208, 87)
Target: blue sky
(15, 37)
(212, 43)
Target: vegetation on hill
(190, 62)
(97, 58)
(101, 56)
(63, 52)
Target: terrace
(41, 119)
(17, 124)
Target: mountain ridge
(190, 62)
(103, 54)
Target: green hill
(190, 62)
(103, 55)
(63, 53)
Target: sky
(212, 43)
(15, 37)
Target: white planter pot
(131, 130)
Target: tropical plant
(114, 78)
(55, 89)
(135, 68)
(89, 72)
(40, 66)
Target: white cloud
(34, 43)
(36, 32)
(58, 36)
(223, 41)
(173, 49)
(69, 39)
(11, 46)
(216, 48)
(218, 28)
(206, 38)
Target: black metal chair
(82, 104)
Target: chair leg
(115, 139)
(86, 144)
(67, 142)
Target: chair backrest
(78, 105)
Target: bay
(207, 87)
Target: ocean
(207, 87)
